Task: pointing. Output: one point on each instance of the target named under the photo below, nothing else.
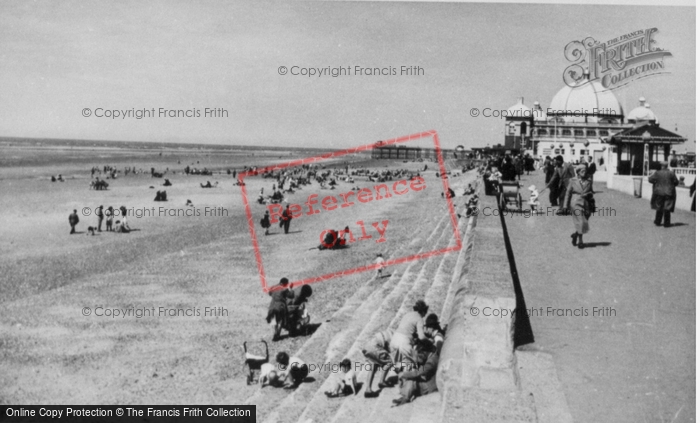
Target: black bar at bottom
(127, 413)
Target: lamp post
(646, 136)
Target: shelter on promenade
(642, 148)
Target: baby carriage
(510, 196)
(254, 362)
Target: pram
(254, 362)
(509, 195)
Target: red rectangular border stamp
(413, 137)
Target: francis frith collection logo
(616, 62)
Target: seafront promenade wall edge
(478, 354)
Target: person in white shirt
(534, 195)
(380, 261)
(346, 383)
(268, 375)
(410, 329)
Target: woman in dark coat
(265, 222)
(579, 199)
(508, 169)
(548, 174)
(692, 194)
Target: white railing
(683, 170)
(687, 173)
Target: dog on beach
(91, 230)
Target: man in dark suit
(563, 172)
(286, 219)
(73, 220)
(663, 198)
(591, 170)
(420, 380)
(692, 194)
(100, 215)
(548, 173)
(508, 170)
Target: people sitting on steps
(293, 370)
(420, 379)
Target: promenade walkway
(628, 352)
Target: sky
(59, 58)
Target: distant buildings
(588, 120)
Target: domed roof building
(519, 109)
(642, 113)
(588, 102)
(587, 122)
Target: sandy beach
(203, 264)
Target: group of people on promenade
(513, 167)
(102, 214)
(570, 188)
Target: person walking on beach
(663, 197)
(109, 214)
(579, 200)
(100, 216)
(286, 219)
(73, 220)
(380, 261)
(265, 222)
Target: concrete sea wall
(478, 375)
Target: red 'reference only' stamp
(315, 204)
